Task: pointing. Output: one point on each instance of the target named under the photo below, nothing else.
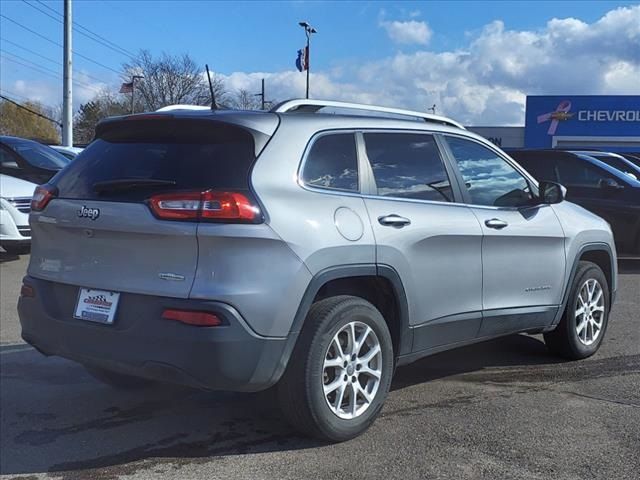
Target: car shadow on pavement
(57, 418)
(8, 257)
(628, 267)
(515, 351)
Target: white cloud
(409, 32)
(484, 83)
(488, 81)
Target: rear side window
(332, 163)
(408, 165)
(182, 155)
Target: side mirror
(12, 165)
(609, 184)
(551, 192)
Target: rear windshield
(182, 155)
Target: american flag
(126, 87)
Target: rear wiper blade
(130, 183)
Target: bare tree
(170, 80)
(243, 99)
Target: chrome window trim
(365, 173)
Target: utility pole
(308, 30)
(67, 60)
(261, 95)
(133, 90)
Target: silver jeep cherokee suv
(314, 252)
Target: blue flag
(302, 62)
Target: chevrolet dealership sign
(609, 115)
(555, 121)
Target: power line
(7, 92)
(45, 58)
(30, 51)
(99, 38)
(59, 45)
(31, 111)
(44, 70)
(29, 62)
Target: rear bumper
(141, 343)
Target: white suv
(15, 205)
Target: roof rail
(311, 106)
(170, 108)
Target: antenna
(213, 97)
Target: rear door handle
(496, 223)
(394, 220)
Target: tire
(565, 340)
(118, 380)
(301, 391)
(16, 249)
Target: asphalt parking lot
(503, 409)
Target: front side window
(489, 179)
(332, 163)
(408, 165)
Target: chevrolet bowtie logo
(562, 116)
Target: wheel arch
(600, 254)
(355, 280)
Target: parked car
(614, 160)
(15, 205)
(234, 250)
(633, 158)
(596, 186)
(69, 152)
(29, 160)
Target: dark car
(614, 160)
(29, 160)
(633, 158)
(591, 183)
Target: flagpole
(308, 30)
(308, 56)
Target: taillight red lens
(207, 205)
(227, 206)
(201, 319)
(42, 196)
(27, 291)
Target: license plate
(96, 305)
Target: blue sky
(357, 41)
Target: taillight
(27, 291)
(200, 319)
(42, 196)
(207, 205)
(177, 206)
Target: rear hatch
(122, 215)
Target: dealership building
(603, 122)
